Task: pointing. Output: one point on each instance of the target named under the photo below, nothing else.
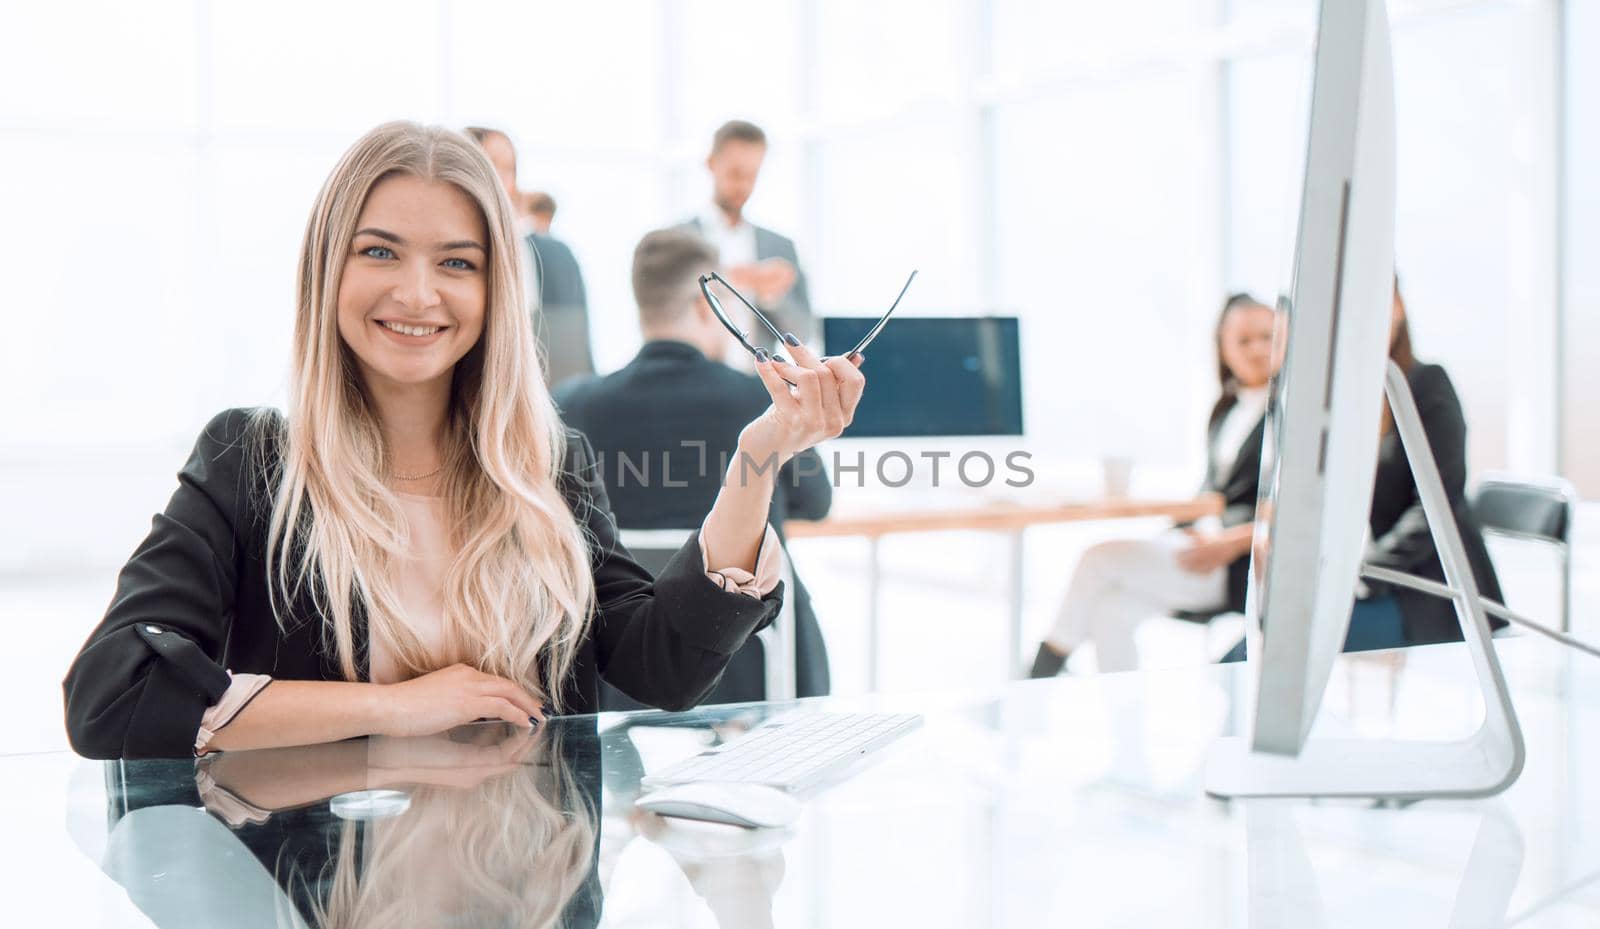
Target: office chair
(1202, 618)
(652, 548)
(1531, 509)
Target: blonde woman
(418, 542)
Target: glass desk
(1075, 802)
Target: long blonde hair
(514, 850)
(519, 592)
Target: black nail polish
(789, 337)
(761, 355)
(778, 357)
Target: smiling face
(415, 282)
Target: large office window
(1471, 221)
(1058, 37)
(1580, 427)
(1105, 222)
(135, 70)
(303, 66)
(1268, 103)
(875, 60)
(1106, 172)
(1463, 206)
(888, 182)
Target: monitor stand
(1480, 765)
(1282, 887)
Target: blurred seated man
(647, 422)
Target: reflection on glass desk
(1076, 801)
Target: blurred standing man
(760, 262)
(561, 313)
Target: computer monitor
(1324, 420)
(935, 376)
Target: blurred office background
(1104, 171)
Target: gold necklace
(419, 477)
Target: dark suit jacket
(1400, 534)
(563, 320)
(793, 312)
(651, 412)
(1238, 488)
(193, 601)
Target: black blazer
(192, 602)
(1238, 488)
(647, 423)
(1401, 539)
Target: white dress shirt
(1249, 406)
(736, 244)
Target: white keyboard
(791, 752)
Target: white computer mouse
(753, 806)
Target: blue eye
(459, 264)
(378, 251)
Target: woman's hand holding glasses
(813, 399)
(818, 407)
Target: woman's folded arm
(148, 672)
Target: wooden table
(1006, 517)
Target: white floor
(944, 615)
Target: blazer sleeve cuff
(240, 692)
(178, 687)
(225, 804)
(702, 611)
(765, 577)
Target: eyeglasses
(744, 337)
(877, 327)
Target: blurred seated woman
(1118, 584)
(1389, 617)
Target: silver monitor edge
(1325, 416)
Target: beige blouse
(421, 585)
